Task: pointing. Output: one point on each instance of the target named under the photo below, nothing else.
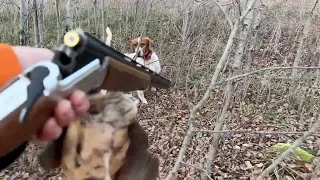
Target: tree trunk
(95, 17)
(75, 14)
(69, 18)
(254, 40)
(134, 23)
(305, 32)
(58, 21)
(23, 21)
(41, 21)
(36, 24)
(236, 67)
(89, 20)
(102, 20)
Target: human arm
(16, 59)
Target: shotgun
(81, 62)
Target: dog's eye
(143, 44)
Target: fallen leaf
(310, 167)
(259, 165)
(237, 147)
(288, 178)
(249, 165)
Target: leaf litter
(165, 119)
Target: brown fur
(101, 133)
(139, 164)
(107, 132)
(146, 41)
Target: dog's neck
(147, 56)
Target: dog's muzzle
(140, 52)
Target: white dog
(145, 56)
(108, 42)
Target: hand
(66, 110)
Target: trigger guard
(8, 159)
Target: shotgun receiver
(81, 62)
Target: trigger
(34, 90)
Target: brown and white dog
(108, 42)
(145, 56)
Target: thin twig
(251, 132)
(225, 14)
(262, 70)
(196, 167)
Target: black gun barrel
(80, 48)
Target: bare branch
(251, 132)
(291, 149)
(246, 30)
(260, 71)
(206, 96)
(215, 138)
(11, 2)
(225, 14)
(304, 35)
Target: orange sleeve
(9, 64)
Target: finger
(50, 131)
(64, 113)
(79, 102)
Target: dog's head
(146, 45)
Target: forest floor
(240, 156)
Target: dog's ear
(149, 44)
(133, 44)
